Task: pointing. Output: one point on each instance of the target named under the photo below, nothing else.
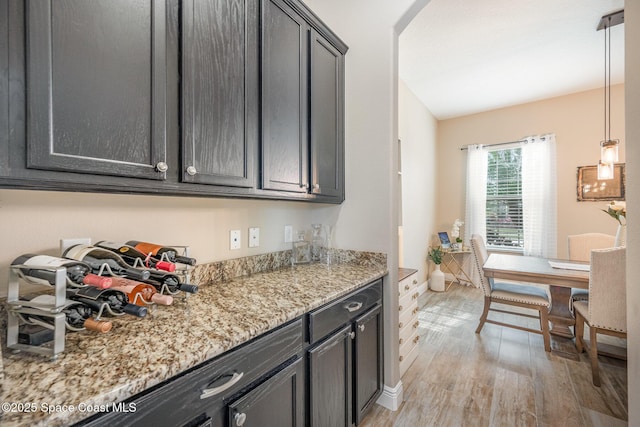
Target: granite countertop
(97, 369)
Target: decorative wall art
(590, 188)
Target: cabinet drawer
(407, 359)
(408, 316)
(408, 284)
(408, 300)
(408, 331)
(184, 398)
(330, 317)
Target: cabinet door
(278, 402)
(4, 87)
(284, 99)
(220, 91)
(330, 381)
(368, 361)
(96, 78)
(326, 118)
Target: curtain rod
(498, 143)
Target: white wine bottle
(78, 273)
(98, 257)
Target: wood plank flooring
(500, 377)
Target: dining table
(561, 279)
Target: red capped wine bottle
(131, 255)
(78, 316)
(158, 250)
(159, 278)
(78, 273)
(97, 257)
(139, 293)
(116, 300)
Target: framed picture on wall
(590, 188)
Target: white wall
(632, 96)
(418, 135)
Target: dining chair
(580, 247)
(513, 294)
(606, 311)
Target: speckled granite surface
(139, 353)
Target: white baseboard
(423, 288)
(391, 398)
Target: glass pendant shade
(609, 151)
(605, 170)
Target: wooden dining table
(538, 270)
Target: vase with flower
(455, 233)
(618, 211)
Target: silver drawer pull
(361, 327)
(209, 392)
(353, 306)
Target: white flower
(455, 230)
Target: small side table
(452, 263)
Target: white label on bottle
(109, 245)
(46, 261)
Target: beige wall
(632, 94)
(578, 123)
(418, 134)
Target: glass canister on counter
(301, 249)
(318, 245)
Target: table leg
(560, 316)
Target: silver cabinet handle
(352, 335)
(361, 327)
(191, 170)
(353, 306)
(240, 418)
(162, 167)
(209, 392)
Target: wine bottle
(131, 255)
(97, 257)
(78, 273)
(116, 300)
(138, 292)
(159, 278)
(159, 250)
(78, 316)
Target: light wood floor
(500, 377)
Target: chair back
(607, 289)
(581, 245)
(480, 256)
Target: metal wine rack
(19, 307)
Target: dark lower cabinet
(346, 366)
(277, 402)
(330, 381)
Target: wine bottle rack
(182, 273)
(19, 307)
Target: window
(504, 218)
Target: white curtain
(476, 203)
(539, 196)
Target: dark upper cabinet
(302, 103)
(96, 86)
(220, 96)
(284, 98)
(326, 117)
(4, 87)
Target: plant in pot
(436, 279)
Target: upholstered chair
(580, 247)
(606, 310)
(513, 294)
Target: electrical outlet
(288, 233)
(254, 237)
(67, 243)
(234, 239)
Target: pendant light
(608, 146)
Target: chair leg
(579, 329)
(485, 313)
(544, 324)
(593, 355)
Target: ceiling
(462, 57)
